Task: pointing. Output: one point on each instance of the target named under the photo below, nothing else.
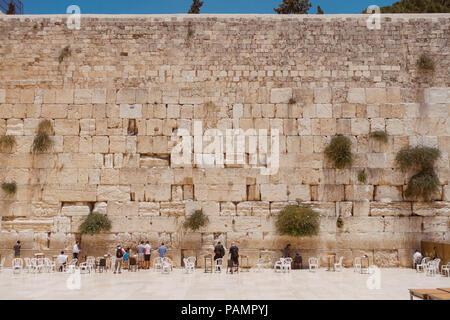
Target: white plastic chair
(287, 264)
(72, 266)
(50, 266)
(157, 264)
(357, 265)
(313, 264)
(2, 264)
(422, 265)
(17, 264)
(339, 264)
(28, 266)
(113, 264)
(279, 265)
(218, 264)
(260, 264)
(166, 265)
(432, 267)
(445, 269)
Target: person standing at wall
(141, 253)
(219, 251)
(234, 255)
(162, 250)
(287, 251)
(17, 247)
(147, 254)
(119, 259)
(76, 250)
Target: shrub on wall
(197, 220)
(362, 177)
(9, 187)
(42, 141)
(7, 143)
(64, 54)
(95, 223)
(339, 152)
(379, 135)
(425, 183)
(297, 221)
(425, 63)
(339, 222)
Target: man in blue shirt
(162, 250)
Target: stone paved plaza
(253, 285)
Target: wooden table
(331, 256)
(423, 293)
(445, 289)
(439, 296)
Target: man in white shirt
(148, 252)
(417, 258)
(76, 250)
(61, 261)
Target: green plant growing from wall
(65, 52)
(42, 141)
(95, 223)
(339, 222)
(425, 183)
(195, 221)
(425, 63)
(379, 135)
(7, 143)
(339, 153)
(9, 187)
(297, 221)
(362, 177)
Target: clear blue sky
(182, 6)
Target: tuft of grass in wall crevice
(9, 187)
(379, 135)
(425, 63)
(42, 141)
(339, 153)
(7, 143)
(195, 221)
(362, 176)
(65, 52)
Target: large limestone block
(29, 224)
(126, 96)
(131, 111)
(363, 224)
(174, 208)
(164, 224)
(376, 95)
(75, 210)
(150, 209)
(360, 126)
(65, 96)
(436, 224)
(356, 95)
(330, 192)
(113, 193)
(2, 95)
(65, 127)
(299, 192)
(436, 95)
(227, 209)
(361, 208)
(435, 208)
(54, 111)
(388, 193)
(222, 192)
(45, 209)
(82, 96)
(128, 208)
(386, 258)
(390, 209)
(274, 192)
(69, 193)
(358, 192)
(280, 95)
(322, 95)
(160, 192)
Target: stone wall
(131, 82)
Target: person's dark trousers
(75, 255)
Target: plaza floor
(253, 285)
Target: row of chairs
(39, 265)
(431, 267)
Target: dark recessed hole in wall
(132, 127)
(124, 54)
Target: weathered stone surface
(281, 95)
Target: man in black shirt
(234, 255)
(17, 247)
(219, 251)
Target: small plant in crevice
(425, 183)
(362, 177)
(297, 221)
(7, 143)
(339, 222)
(42, 141)
(95, 223)
(339, 153)
(65, 52)
(195, 221)
(379, 135)
(9, 187)
(425, 63)
(292, 101)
